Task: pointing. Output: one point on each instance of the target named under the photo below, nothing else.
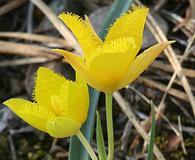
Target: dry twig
(153, 84)
(25, 61)
(10, 6)
(156, 109)
(186, 53)
(36, 38)
(127, 111)
(25, 49)
(63, 30)
(181, 135)
(169, 52)
(167, 68)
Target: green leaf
(117, 8)
(76, 150)
(100, 139)
(152, 134)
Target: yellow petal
(122, 45)
(48, 84)
(78, 101)
(142, 62)
(89, 25)
(72, 100)
(32, 113)
(79, 79)
(110, 62)
(82, 31)
(62, 127)
(130, 24)
(77, 62)
(60, 103)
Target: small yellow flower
(111, 64)
(60, 106)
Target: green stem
(109, 126)
(87, 146)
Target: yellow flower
(111, 64)
(60, 106)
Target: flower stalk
(109, 121)
(87, 146)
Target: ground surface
(20, 57)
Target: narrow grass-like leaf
(76, 150)
(152, 134)
(100, 139)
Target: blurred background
(27, 34)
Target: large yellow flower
(111, 64)
(60, 106)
